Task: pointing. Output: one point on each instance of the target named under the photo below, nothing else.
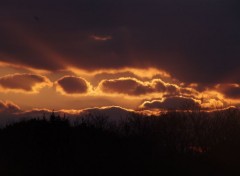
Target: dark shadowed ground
(189, 143)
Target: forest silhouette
(186, 142)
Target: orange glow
(149, 79)
(142, 73)
(48, 64)
(101, 38)
(19, 67)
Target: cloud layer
(131, 91)
(180, 37)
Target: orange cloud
(213, 104)
(189, 91)
(101, 38)
(143, 73)
(73, 85)
(172, 103)
(212, 99)
(29, 83)
(131, 84)
(9, 107)
(19, 68)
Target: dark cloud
(23, 82)
(129, 86)
(9, 107)
(159, 85)
(8, 113)
(196, 41)
(135, 87)
(172, 103)
(101, 76)
(230, 90)
(233, 92)
(73, 85)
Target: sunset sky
(136, 54)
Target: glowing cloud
(29, 83)
(143, 73)
(9, 107)
(135, 87)
(213, 104)
(73, 85)
(172, 103)
(101, 38)
(129, 86)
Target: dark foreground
(172, 144)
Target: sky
(142, 55)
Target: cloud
(144, 34)
(172, 103)
(73, 85)
(212, 103)
(101, 38)
(140, 74)
(135, 87)
(9, 113)
(24, 82)
(129, 86)
(9, 107)
(231, 91)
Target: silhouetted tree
(189, 142)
